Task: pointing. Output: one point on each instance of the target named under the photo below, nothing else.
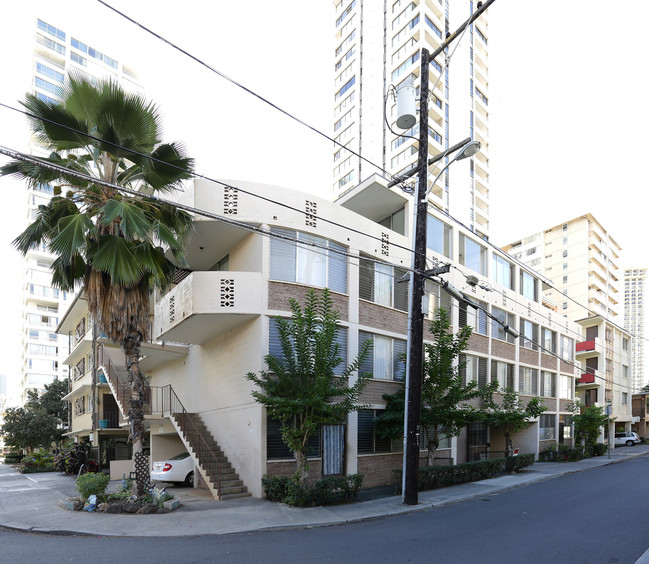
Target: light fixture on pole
(468, 150)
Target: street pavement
(30, 502)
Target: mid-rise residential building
(581, 259)
(377, 51)
(605, 355)
(218, 322)
(56, 55)
(636, 317)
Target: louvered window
(502, 373)
(380, 283)
(548, 385)
(497, 327)
(275, 447)
(475, 318)
(473, 369)
(308, 259)
(385, 360)
(368, 442)
(528, 381)
(529, 335)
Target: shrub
(92, 483)
(561, 453)
(13, 458)
(329, 489)
(517, 463)
(599, 449)
(33, 469)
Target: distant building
(636, 317)
(378, 46)
(56, 54)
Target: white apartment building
(56, 54)
(636, 322)
(217, 323)
(378, 46)
(581, 259)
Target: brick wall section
(279, 293)
(549, 403)
(377, 468)
(528, 356)
(380, 317)
(548, 362)
(287, 468)
(373, 392)
(563, 405)
(478, 343)
(502, 349)
(567, 368)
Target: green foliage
(124, 490)
(599, 449)
(445, 408)
(13, 458)
(517, 463)
(92, 483)
(588, 421)
(51, 401)
(328, 490)
(561, 453)
(301, 389)
(29, 427)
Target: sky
(567, 105)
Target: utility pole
(416, 321)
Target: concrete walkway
(29, 502)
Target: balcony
(589, 348)
(586, 379)
(207, 304)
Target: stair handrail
(176, 407)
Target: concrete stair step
(234, 495)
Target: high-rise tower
(378, 46)
(635, 321)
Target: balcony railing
(586, 346)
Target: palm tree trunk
(131, 347)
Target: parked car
(628, 438)
(177, 470)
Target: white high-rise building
(56, 54)
(635, 322)
(378, 47)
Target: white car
(628, 438)
(177, 470)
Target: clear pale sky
(567, 90)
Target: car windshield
(180, 456)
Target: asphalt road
(597, 516)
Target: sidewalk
(28, 502)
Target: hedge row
(431, 477)
(332, 489)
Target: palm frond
(133, 223)
(113, 255)
(72, 235)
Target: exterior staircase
(215, 468)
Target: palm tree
(112, 243)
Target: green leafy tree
(113, 243)
(588, 421)
(446, 407)
(301, 389)
(645, 389)
(27, 428)
(509, 413)
(51, 401)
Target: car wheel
(189, 480)
(630, 443)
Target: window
(346, 87)
(48, 86)
(345, 13)
(51, 30)
(564, 254)
(564, 280)
(529, 286)
(275, 345)
(432, 26)
(625, 398)
(564, 305)
(528, 381)
(564, 227)
(547, 429)
(549, 340)
(379, 283)
(567, 351)
(277, 450)
(503, 271)
(529, 335)
(78, 45)
(473, 255)
(438, 236)
(503, 318)
(50, 73)
(47, 42)
(565, 266)
(548, 387)
(625, 344)
(315, 266)
(385, 361)
(368, 441)
(564, 424)
(474, 318)
(396, 221)
(502, 373)
(473, 369)
(566, 388)
(625, 371)
(565, 240)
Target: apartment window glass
(625, 344)
(473, 255)
(503, 271)
(276, 449)
(502, 373)
(368, 441)
(377, 283)
(564, 254)
(473, 369)
(547, 388)
(438, 236)
(320, 265)
(567, 351)
(566, 387)
(476, 318)
(497, 325)
(625, 398)
(528, 285)
(529, 334)
(549, 340)
(547, 429)
(385, 360)
(528, 381)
